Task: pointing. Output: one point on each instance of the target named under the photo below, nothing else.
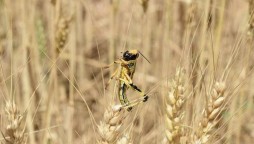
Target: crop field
(126, 71)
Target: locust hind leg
(130, 84)
(123, 98)
(126, 103)
(134, 87)
(145, 97)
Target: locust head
(130, 55)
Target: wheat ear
(62, 33)
(212, 113)
(174, 113)
(14, 133)
(109, 127)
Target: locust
(124, 74)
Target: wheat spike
(62, 33)
(174, 113)
(13, 134)
(109, 127)
(212, 113)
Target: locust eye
(130, 56)
(126, 54)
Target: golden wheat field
(195, 64)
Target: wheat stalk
(212, 113)
(109, 127)
(174, 113)
(13, 134)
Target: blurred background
(52, 55)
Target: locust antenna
(144, 57)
